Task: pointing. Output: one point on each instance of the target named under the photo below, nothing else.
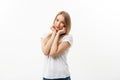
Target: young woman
(55, 47)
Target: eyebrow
(63, 22)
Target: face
(59, 22)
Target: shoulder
(68, 38)
(68, 35)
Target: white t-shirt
(57, 67)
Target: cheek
(61, 26)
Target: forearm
(48, 45)
(54, 46)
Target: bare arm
(57, 47)
(46, 44)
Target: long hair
(67, 19)
(67, 22)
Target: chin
(57, 29)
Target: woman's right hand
(53, 29)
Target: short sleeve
(68, 38)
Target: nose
(58, 24)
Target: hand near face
(62, 31)
(53, 29)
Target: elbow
(45, 52)
(53, 54)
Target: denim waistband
(67, 78)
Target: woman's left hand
(62, 31)
(53, 29)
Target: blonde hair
(67, 19)
(67, 22)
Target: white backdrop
(95, 54)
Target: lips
(57, 27)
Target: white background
(95, 54)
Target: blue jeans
(67, 78)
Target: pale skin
(52, 47)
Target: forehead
(60, 17)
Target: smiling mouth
(57, 28)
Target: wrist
(53, 33)
(57, 34)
